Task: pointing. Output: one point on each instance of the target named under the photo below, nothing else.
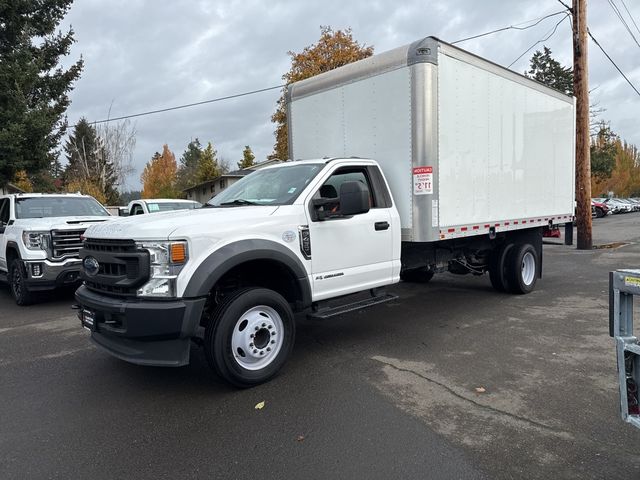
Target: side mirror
(2, 229)
(354, 198)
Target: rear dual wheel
(514, 268)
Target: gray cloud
(143, 55)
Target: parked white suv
(40, 236)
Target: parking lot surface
(453, 380)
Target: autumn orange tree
(159, 176)
(333, 50)
(624, 180)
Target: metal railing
(623, 285)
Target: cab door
(350, 253)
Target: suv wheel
(17, 283)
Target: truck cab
(40, 236)
(234, 272)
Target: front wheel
(599, 212)
(18, 284)
(250, 336)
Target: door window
(4, 211)
(331, 188)
(137, 210)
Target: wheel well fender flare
(218, 263)
(12, 246)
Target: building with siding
(9, 188)
(204, 191)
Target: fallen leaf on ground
(480, 390)
(259, 406)
(300, 438)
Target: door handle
(381, 225)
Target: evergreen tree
(188, 168)
(34, 86)
(89, 164)
(208, 168)
(248, 158)
(545, 69)
(603, 152)
(82, 151)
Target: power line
(616, 10)
(613, 63)
(187, 105)
(630, 16)
(549, 35)
(511, 27)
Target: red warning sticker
(422, 180)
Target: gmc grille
(123, 268)
(65, 243)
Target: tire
(416, 275)
(17, 284)
(498, 267)
(599, 212)
(234, 329)
(523, 266)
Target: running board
(325, 313)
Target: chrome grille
(66, 243)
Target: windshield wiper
(239, 201)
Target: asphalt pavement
(453, 380)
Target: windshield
(40, 207)
(272, 186)
(167, 206)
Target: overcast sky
(143, 55)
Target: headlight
(36, 240)
(166, 261)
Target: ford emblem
(91, 266)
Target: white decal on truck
(434, 213)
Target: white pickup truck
(156, 205)
(472, 162)
(40, 236)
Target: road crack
(488, 408)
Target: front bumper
(47, 275)
(143, 332)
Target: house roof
(243, 172)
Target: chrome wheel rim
(528, 268)
(257, 337)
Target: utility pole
(581, 91)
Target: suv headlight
(36, 240)
(166, 261)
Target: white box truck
(472, 161)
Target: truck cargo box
(467, 146)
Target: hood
(162, 226)
(60, 223)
